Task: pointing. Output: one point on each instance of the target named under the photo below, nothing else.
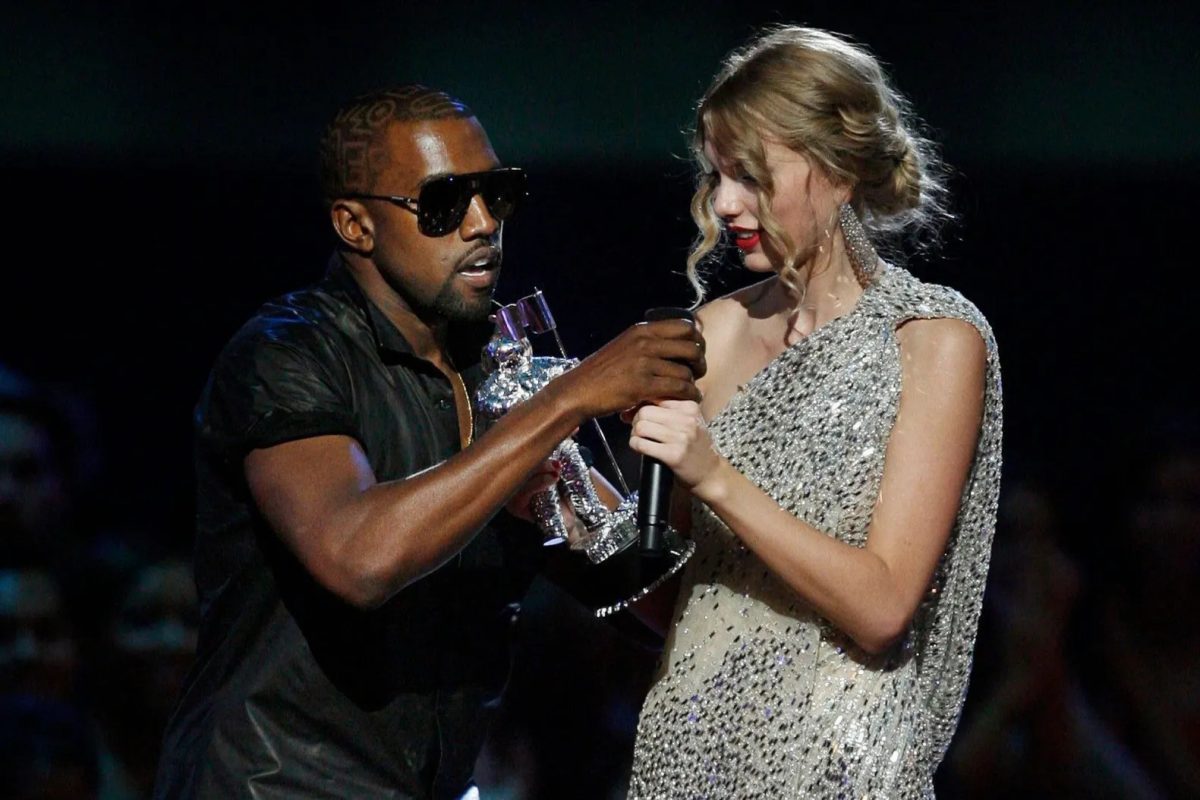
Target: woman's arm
(715, 323)
(870, 593)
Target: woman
(844, 464)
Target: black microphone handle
(654, 490)
(654, 505)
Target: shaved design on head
(353, 150)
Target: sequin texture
(758, 696)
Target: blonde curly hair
(825, 96)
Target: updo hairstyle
(824, 96)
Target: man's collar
(465, 341)
(388, 339)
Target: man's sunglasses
(443, 202)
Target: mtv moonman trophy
(625, 564)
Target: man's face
(451, 276)
(37, 651)
(32, 496)
(154, 635)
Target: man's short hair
(352, 147)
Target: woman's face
(804, 203)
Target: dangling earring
(863, 258)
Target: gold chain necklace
(470, 411)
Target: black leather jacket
(294, 693)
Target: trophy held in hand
(622, 567)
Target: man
(35, 485)
(355, 593)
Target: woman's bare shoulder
(942, 340)
(726, 317)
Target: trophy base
(635, 573)
(627, 573)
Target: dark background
(158, 163)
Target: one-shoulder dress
(757, 695)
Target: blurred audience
(151, 640)
(47, 751)
(38, 654)
(95, 633)
(1146, 627)
(1029, 729)
(35, 453)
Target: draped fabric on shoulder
(757, 696)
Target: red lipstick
(746, 239)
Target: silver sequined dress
(757, 695)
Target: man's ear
(353, 225)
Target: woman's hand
(674, 432)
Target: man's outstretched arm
(365, 540)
